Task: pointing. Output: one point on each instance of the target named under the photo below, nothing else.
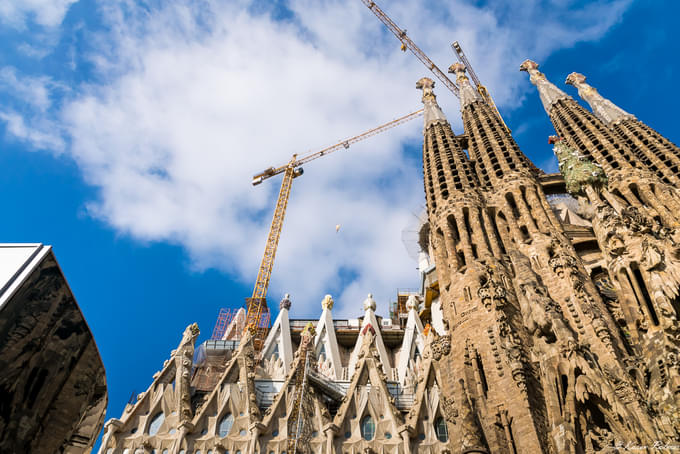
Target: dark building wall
(52, 382)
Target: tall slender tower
(531, 329)
(631, 181)
(633, 215)
(656, 151)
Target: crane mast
(410, 45)
(257, 324)
(257, 304)
(481, 89)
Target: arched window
(441, 430)
(225, 425)
(367, 428)
(156, 423)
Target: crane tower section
(257, 323)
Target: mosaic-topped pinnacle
(308, 331)
(327, 302)
(548, 92)
(468, 94)
(369, 303)
(578, 171)
(603, 108)
(285, 302)
(432, 112)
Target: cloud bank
(47, 13)
(189, 99)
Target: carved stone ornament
(449, 408)
(440, 345)
(491, 291)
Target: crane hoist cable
(256, 324)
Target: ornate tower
(656, 151)
(631, 182)
(632, 213)
(531, 330)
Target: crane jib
(257, 311)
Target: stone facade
(547, 320)
(52, 383)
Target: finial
(575, 79)
(528, 65)
(458, 69)
(433, 113)
(285, 302)
(327, 302)
(468, 94)
(309, 330)
(426, 84)
(412, 303)
(369, 303)
(603, 108)
(548, 92)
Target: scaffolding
(223, 320)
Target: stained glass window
(441, 430)
(156, 423)
(225, 425)
(367, 428)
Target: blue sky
(129, 132)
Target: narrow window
(441, 430)
(156, 423)
(512, 438)
(482, 375)
(225, 425)
(645, 295)
(367, 428)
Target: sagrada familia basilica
(547, 320)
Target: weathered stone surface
(52, 382)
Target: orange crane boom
(410, 45)
(272, 171)
(257, 304)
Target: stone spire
(433, 113)
(653, 150)
(549, 93)
(491, 146)
(582, 130)
(603, 108)
(445, 165)
(468, 94)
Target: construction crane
(480, 88)
(257, 323)
(406, 43)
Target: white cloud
(41, 134)
(196, 98)
(35, 91)
(48, 13)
